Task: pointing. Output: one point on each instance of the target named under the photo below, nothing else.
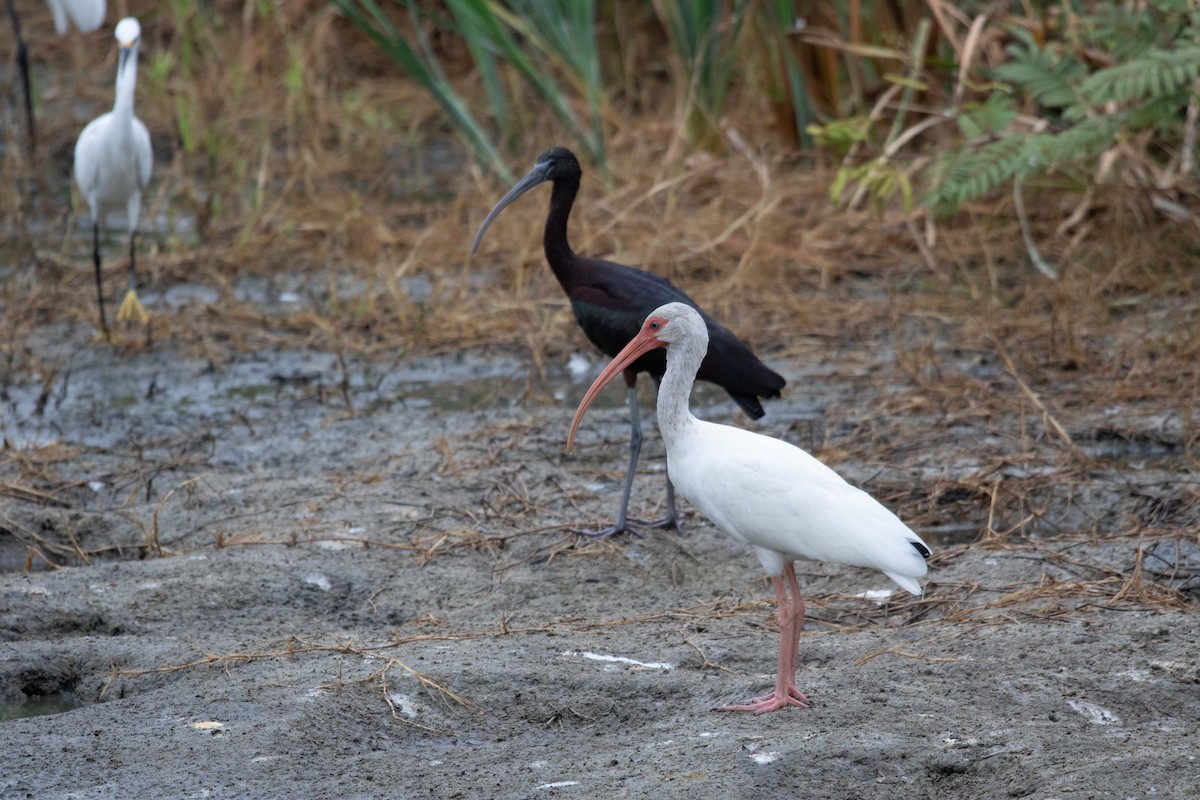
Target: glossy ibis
(610, 301)
(765, 492)
(112, 166)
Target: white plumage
(775, 497)
(112, 166)
(787, 504)
(86, 15)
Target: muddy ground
(304, 578)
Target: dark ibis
(610, 301)
(765, 492)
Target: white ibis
(765, 492)
(112, 166)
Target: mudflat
(289, 575)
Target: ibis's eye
(654, 325)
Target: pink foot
(771, 702)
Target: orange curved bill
(643, 343)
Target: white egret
(762, 491)
(86, 15)
(112, 167)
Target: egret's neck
(683, 362)
(554, 240)
(126, 85)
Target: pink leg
(791, 620)
(797, 626)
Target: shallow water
(41, 706)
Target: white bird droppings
(764, 758)
(558, 784)
(620, 660)
(318, 580)
(403, 704)
(335, 544)
(876, 594)
(1098, 715)
(579, 367)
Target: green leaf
(1152, 75)
(992, 116)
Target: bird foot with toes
(132, 309)
(771, 702)
(605, 533)
(669, 521)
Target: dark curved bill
(531, 179)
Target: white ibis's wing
(776, 496)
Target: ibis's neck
(683, 361)
(554, 240)
(126, 86)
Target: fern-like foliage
(1086, 110)
(1155, 74)
(967, 175)
(1049, 78)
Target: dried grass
(349, 188)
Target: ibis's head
(666, 325)
(673, 322)
(557, 163)
(128, 33)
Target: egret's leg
(99, 281)
(23, 69)
(131, 306)
(791, 616)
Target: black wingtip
(921, 548)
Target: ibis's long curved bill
(641, 344)
(532, 178)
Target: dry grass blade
(1051, 424)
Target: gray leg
(635, 449)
